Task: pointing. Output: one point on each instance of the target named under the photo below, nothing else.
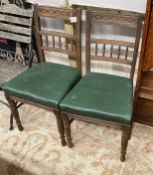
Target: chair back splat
(59, 39)
(119, 51)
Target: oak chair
(104, 98)
(46, 84)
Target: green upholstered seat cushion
(106, 97)
(45, 83)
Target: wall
(133, 5)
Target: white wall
(132, 5)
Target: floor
(14, 69)
(37, 150)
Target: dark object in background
(10, 46)
(21, 3)
(7, 49)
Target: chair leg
(67, 130)
(60, 127)
(31, 56)
(124, 142)
(11, 122)
(11, 116)
(131, 128)
(15, 112)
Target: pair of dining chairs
(94, 97)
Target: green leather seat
(101, 96)
(45, 83)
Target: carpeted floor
(37, 150)
(14, 69)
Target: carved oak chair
(46, 84)
(104, 98)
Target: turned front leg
(60, 127)
(124, 142)
(67, 130)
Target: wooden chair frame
(108, 17)
(64, 14)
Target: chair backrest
(56, 41)
(16, 23)
(118, 49)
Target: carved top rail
(58, 13)
(124, 20)
(15, 23)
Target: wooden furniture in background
(63, 42)
(2, 2)
(103, 98)
(16, 26)
(20, 3)
(144, 88)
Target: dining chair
(46, 84)
(103, 98)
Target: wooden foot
(124, 142)
(60, 127)
(15, 112)
(67, 130)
